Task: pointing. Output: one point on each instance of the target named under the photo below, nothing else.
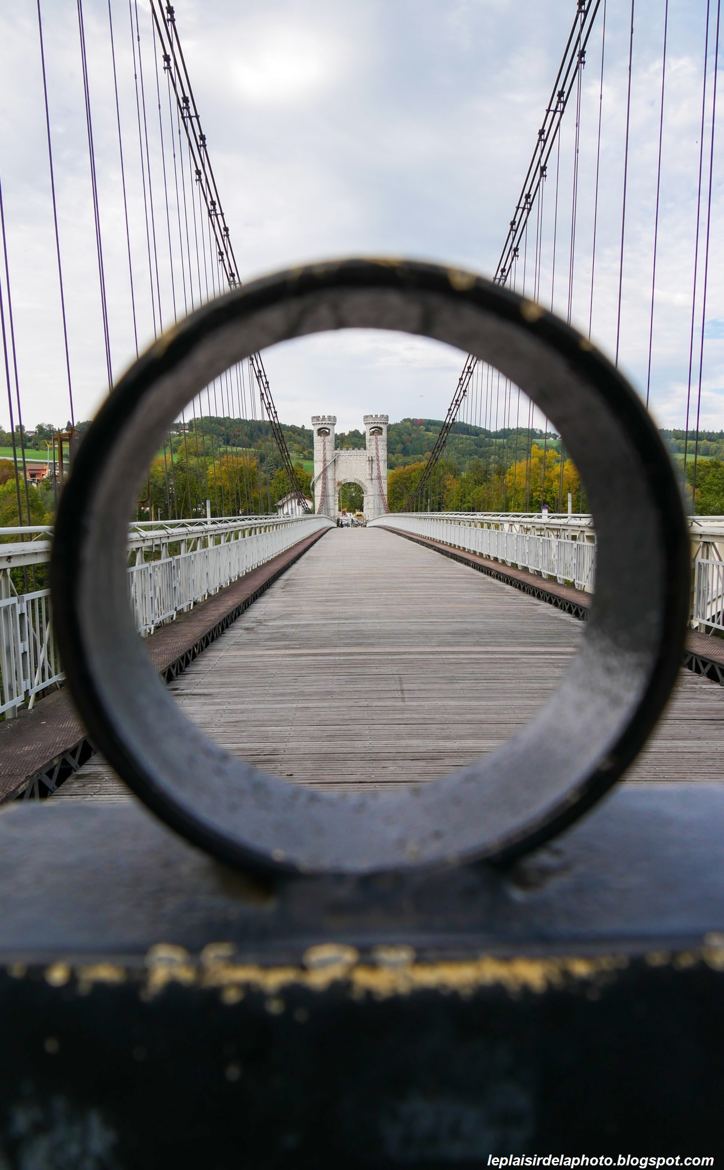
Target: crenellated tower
(376, 445)
(325, 490)
(367, 468)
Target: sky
(397, 127)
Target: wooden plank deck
(41, 740)
(376, 661)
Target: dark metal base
(159, 1010)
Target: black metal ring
(545, 776)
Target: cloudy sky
(372, 126)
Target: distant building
(35, 469)
(292, 505)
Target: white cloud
(336, 128)
(283, 65)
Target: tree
(235, 486)
(189, 484)
(709, 494)
(402, 482)
(530, 483)
(44, 432)
(156, 497)
(279, 486)
(38, 498)
(351, 497)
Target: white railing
(563, 547)
(176, 564)
(173, 566)
(708, 594)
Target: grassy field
(678, 456)
(7, 453)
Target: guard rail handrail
(169, 572)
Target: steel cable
(94, 192)
(59, 263)
(598, 170)
(625, 184)
(706, 254)
(8, 382)
(658, 198)
(696, 241)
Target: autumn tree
(403, 481)
(540, 479)
(235, 486)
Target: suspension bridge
(531, 556)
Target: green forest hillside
(235, 463)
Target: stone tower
(367, 468)
(376, 451)
(325, 489)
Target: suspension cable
(94, 192)
(696, 243)
(598, 169)
(658, 196)
(143, 130)
(586, 11)
(625, 184)
(14, 355)
(51, 169)
(165, 22)
(11, 408)
(706, 254)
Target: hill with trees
(236, 464)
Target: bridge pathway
(376, 661)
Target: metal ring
(540, 780)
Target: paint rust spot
(167, 963)
(231, 995)
(393, 956)
(101, 973)
(162, 343)
(391, 970)
(57, 974)
(460, 280)
(531, 311)
(714, 957)
(217, 952)
(394, 971)
(326, 955)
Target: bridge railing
(563, 548)
(173, 566)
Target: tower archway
(351, 496)
(333, 468)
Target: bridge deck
(377, 661)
